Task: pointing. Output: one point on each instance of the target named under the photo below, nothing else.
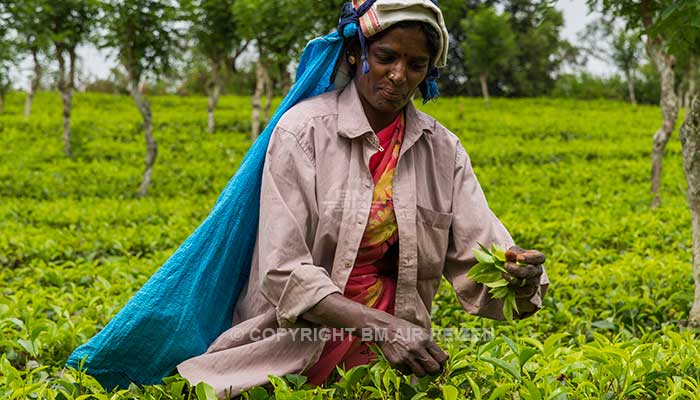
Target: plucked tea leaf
(497, 284)
(498, 253)
(483, 256)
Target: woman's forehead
(411, 40)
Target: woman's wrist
(337, 311)
(377, 325)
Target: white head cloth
(385, 13)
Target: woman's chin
(390, 105)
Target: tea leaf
(449, 392)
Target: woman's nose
(397, 75)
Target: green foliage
(607, 42)
(586, 86)
(214, 28)
(541, 50)
(28, 18)
(679, 23)
(453, 79)
(218, 44)
(489, 42)
(635, 13)
(569, 178)
(282, 28)
(145, 34)
(626, 50)
(8, 55)
(197, 79)
(70, 21)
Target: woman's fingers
(512, 253)
(427, 362)
(523, 272)
(416, 350)
(415, 366)
(523, 278)
(516, 254)
(436, 352)
(531, 257)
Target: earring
(352, 60)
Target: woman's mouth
(391, 95)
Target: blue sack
(178, 312)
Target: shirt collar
(352, 121)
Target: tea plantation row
(569, 178)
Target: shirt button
(348, 264)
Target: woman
(366, 203)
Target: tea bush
(569, 178)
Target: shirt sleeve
(288, 218)
(473, 222)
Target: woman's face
(399, 62)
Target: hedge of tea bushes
(569, 178)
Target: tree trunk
(269, 85)
(669, 109)
(214, 93)
(484, 86)
(630, 87)
(692, 81)
(34, 85)
(285, 79)
(66, 96)
(259, 84)
(151, 145)
(690, 139)
(680, 87)
(2, 103)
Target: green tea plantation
(569, 178)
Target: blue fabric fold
(189, 301)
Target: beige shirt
(314, 206)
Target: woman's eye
(385, 59)
(419, 67)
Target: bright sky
(96, 64)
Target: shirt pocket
(432, 234)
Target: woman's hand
(524, 269)
(410, 348)
(406, 346)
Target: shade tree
(7, 55)
(641, 15)
(542, 51)
(280, 30)
(609, 42)
(679, 24)
(489, 44)
(70, 23)
(217, 39)
(146, 36)
(31, 22)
